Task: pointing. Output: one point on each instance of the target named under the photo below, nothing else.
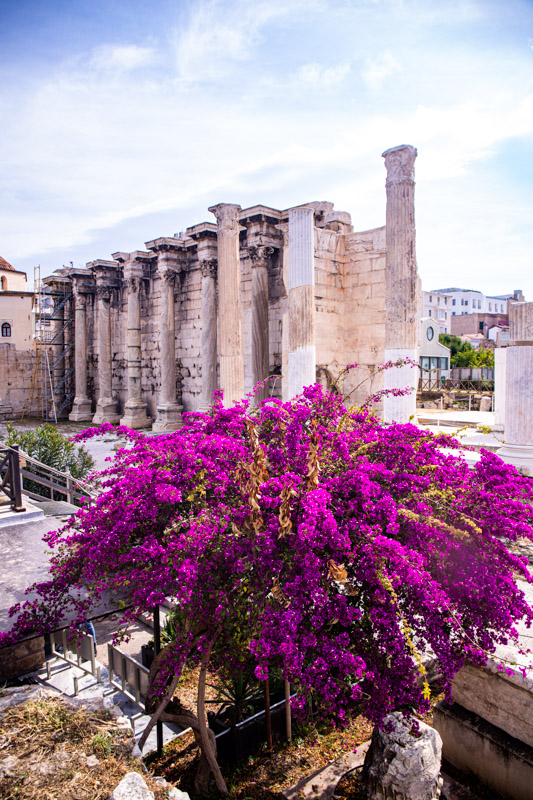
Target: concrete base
(520, 456)
(81, 410)
(476, 747)
(168, 417)
(106, 411)
(9, 517)
(135, 416)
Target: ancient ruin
(293, 295)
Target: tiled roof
(5, 265)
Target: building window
(430, 333)
(430, 298)
(490, 306)
(453, 301)
(444, 363)
(6, 329)
(4, 283)
(429, 312)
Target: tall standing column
(58, 353)
(168, 410)
(106, 407)
(135, 409)
(209, 331)
(518, 430)
(260, 257)
(81, 406)
(229, 295)
(402, 323)
(302, 349)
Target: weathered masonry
(295, 295)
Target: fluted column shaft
(229, 294)
(106, 410)
(260, 257)
(168, 410)
(81, 407)
(134, 409)
(209, 331)
(58, 348)
(302, 348)
(518, 430)
(401, 283)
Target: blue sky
(121, 121)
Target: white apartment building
(442, 304)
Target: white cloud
(219, 33)
(315, 75)
(122, 57)
(376, 70)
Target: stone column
(209, 331)
(168, 411)
(58, 349)
(518, 432)
(135, 409)
(260, 257)
(230, 307)
(302, 350)
(402, 323)
(500, 370)
(81, 406)
(106, 407)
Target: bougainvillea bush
(309, 539)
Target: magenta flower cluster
(308, 538)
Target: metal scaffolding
(52, 385)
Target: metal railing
(78, 652)
(128, 676)
(10, 478)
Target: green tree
(474, 358)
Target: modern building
(17, 357)
(434, 357)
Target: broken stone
(132, 787)
(401, 764)
(92, 761)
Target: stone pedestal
(260, 257)
(81, 407)
(168, 410)
(135, 409)
(209, 332)
(518, 447)
(302, 350)
(230, 307)
(401, 283)
(106, 408)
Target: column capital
(133, 284)
(400, 163)
(80, 298)
(227, 215)
(260, 255)
(104, 292)
(209, 267)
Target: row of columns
(401, 312)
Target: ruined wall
(16, 373)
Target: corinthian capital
(104, 293)
(209, 267)
(168, 276)
(260, 255)
(227, 215)
(400, 163)
(80, 300)
(133, 285)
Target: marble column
(301, 363)
(402, 323)
(518, 431)
(500, 387)
(81, 406)
(135, 408)
(230, 306)
(168, 410)
(209, 332)
(260, 257)
(58, 350)
(106, 407)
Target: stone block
(476, 747)
(21, 658)
(503, 700)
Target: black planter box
(245, 739)
(147, 655)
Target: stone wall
(16, 371)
